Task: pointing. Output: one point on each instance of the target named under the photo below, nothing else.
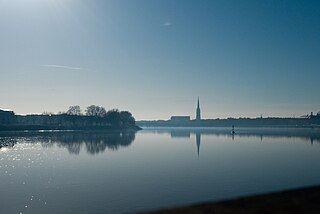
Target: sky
(154, 58)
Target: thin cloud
(61, 67)
(167, 24)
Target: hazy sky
(153, 58)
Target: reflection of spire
(198, 141)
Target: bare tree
(96, 111)
(74, 110)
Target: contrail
(61, 66)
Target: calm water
(77, 172)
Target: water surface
(96, 172)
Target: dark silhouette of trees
(96, 118)
(126, 119)
(113, 117)
(74, 110)
(96, 111)
(122, 119)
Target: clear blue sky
(153, 58)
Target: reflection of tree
(95, 147)
(73, 148)
(113, 142)
(93, 142)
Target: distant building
(198, 111)
(180, 119)
(7, 116)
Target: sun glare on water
(3, 150)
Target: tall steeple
(198, 111)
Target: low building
(180, 119)
(7, 116)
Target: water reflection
(309, 134)
(180, 133)
(94, 142)
(306, 134)
(187, 134)
(98, 142)
(198, 142)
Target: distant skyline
(154, 58)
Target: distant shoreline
(207, 127)
(111, 120)
(312, 121)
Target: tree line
(114, 116)
(93, 117)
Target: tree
(123, 119)
(96, 111)
(127, 119)
(74, 110)
(113, 117)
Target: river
(98, 172)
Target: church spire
(198, 111)
(198, 106)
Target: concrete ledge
(305, 200)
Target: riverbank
(111, 120)
(304, 200)
(15, 128)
